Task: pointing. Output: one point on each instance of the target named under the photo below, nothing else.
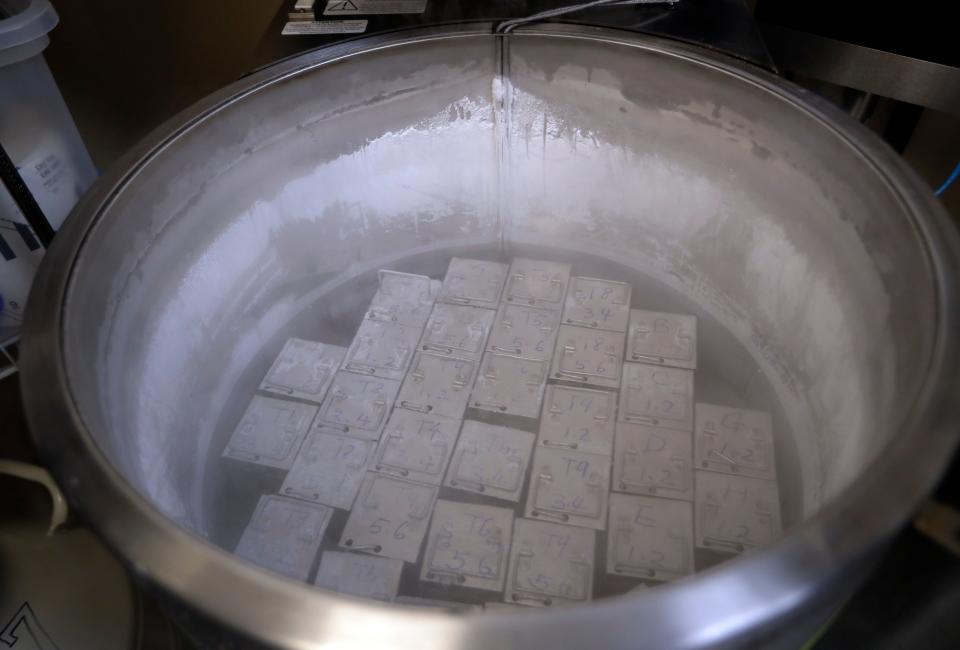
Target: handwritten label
(473, 282)
(389, 518)
(653, 460)
(491, 460)
(550, 564)
(438, 384)
(597, 304)
(650, 538)
(457, 330)
(417, 446)
(579, 419)
(657, 395)
(525, 332)
(537, 283)
(303, 369)
(403, 298)
(270, 432)
(735, 441)
(735, 513)
(509, 385)
(467, 545)
(328, 469)
(660, 338)
(359, 575)
(588, 356)
(382, 349)
(284, 535)
(358, 405)
(569, 487)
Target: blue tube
(952, 177)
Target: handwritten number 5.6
(486, 570)
(376, 527)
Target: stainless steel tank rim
(171, 557)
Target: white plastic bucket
(39, 135)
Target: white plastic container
(40, 137)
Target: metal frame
(821, 556)
(905, 78)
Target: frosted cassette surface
(569, 487)
(578, 418)
(662, 339)
(478, 283)
(598, 304)
(657, 395)
(329, 469)
(653, 461)
(303, 370)
(270, 432)
(360, 575)
(735, 513)
(417, 446)
(734, 441)
(468, 545)
(550, 564)
(284, 535)
(389, 517)
(649, 537)
(490, 460)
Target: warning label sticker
(300, 27)
(356, 7)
